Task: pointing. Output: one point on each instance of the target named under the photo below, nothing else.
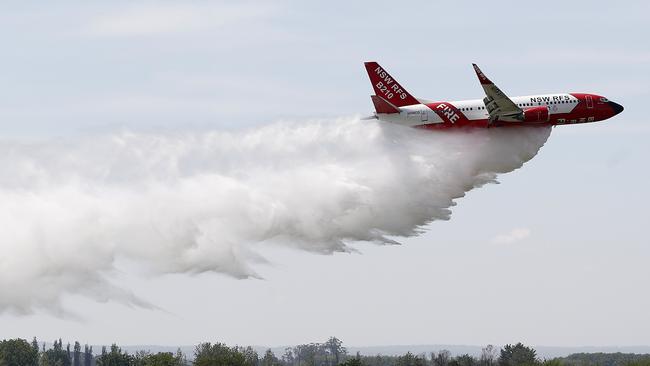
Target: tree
(143, 358)
(305, 354)
(335, 347)
(250, 356)
(554, 362)
(288, 357)
(43, 361)
(269, 359)
(18, 352)
(218, 354)
(181, 357)
(76, 355)
(140, 356)
(464, 360)
(56, 356)
(640, 362)
(35, 344)
(488, 356)
(353, 362)
(115, 357)
(517, 355)
(442, 359)
(88, 355)
(409, 360)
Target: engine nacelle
(536, 115)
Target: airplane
(394, 104)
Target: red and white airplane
(394, 104)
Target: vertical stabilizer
(387, 87)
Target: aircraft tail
(388, 92)
(382, 106)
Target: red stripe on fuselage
(448, 113)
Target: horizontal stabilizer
(382, 106)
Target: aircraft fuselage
(394, 104)
(563, 109)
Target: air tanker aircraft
(394, 104)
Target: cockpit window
(604, 100)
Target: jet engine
(535, 115)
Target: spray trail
(190, 203)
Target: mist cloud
(513, 236)
(203, 202)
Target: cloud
(203, 202)
(513, 236)
(171, 18)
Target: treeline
(19, 352)
(607, 359)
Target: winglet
(481, 76)
(387, 87)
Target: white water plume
(196, 202)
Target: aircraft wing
(498, 105)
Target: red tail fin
(388, 88)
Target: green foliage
(552, 362)
(88, 355)
(250, 356)
(488, 356)
(158, 359)
(56, 356)
(464, 360)
(410, 360)
(18, 352)
(441, 359)
(218, 354)
(352, 362)
(517, 355)
(334, 347)
(640, 362)
(307, 354)
(331, 352)
(76, 356)
(270, 359)
(115, 357)
(35, 345)
(606, 359)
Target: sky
(556, 254)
